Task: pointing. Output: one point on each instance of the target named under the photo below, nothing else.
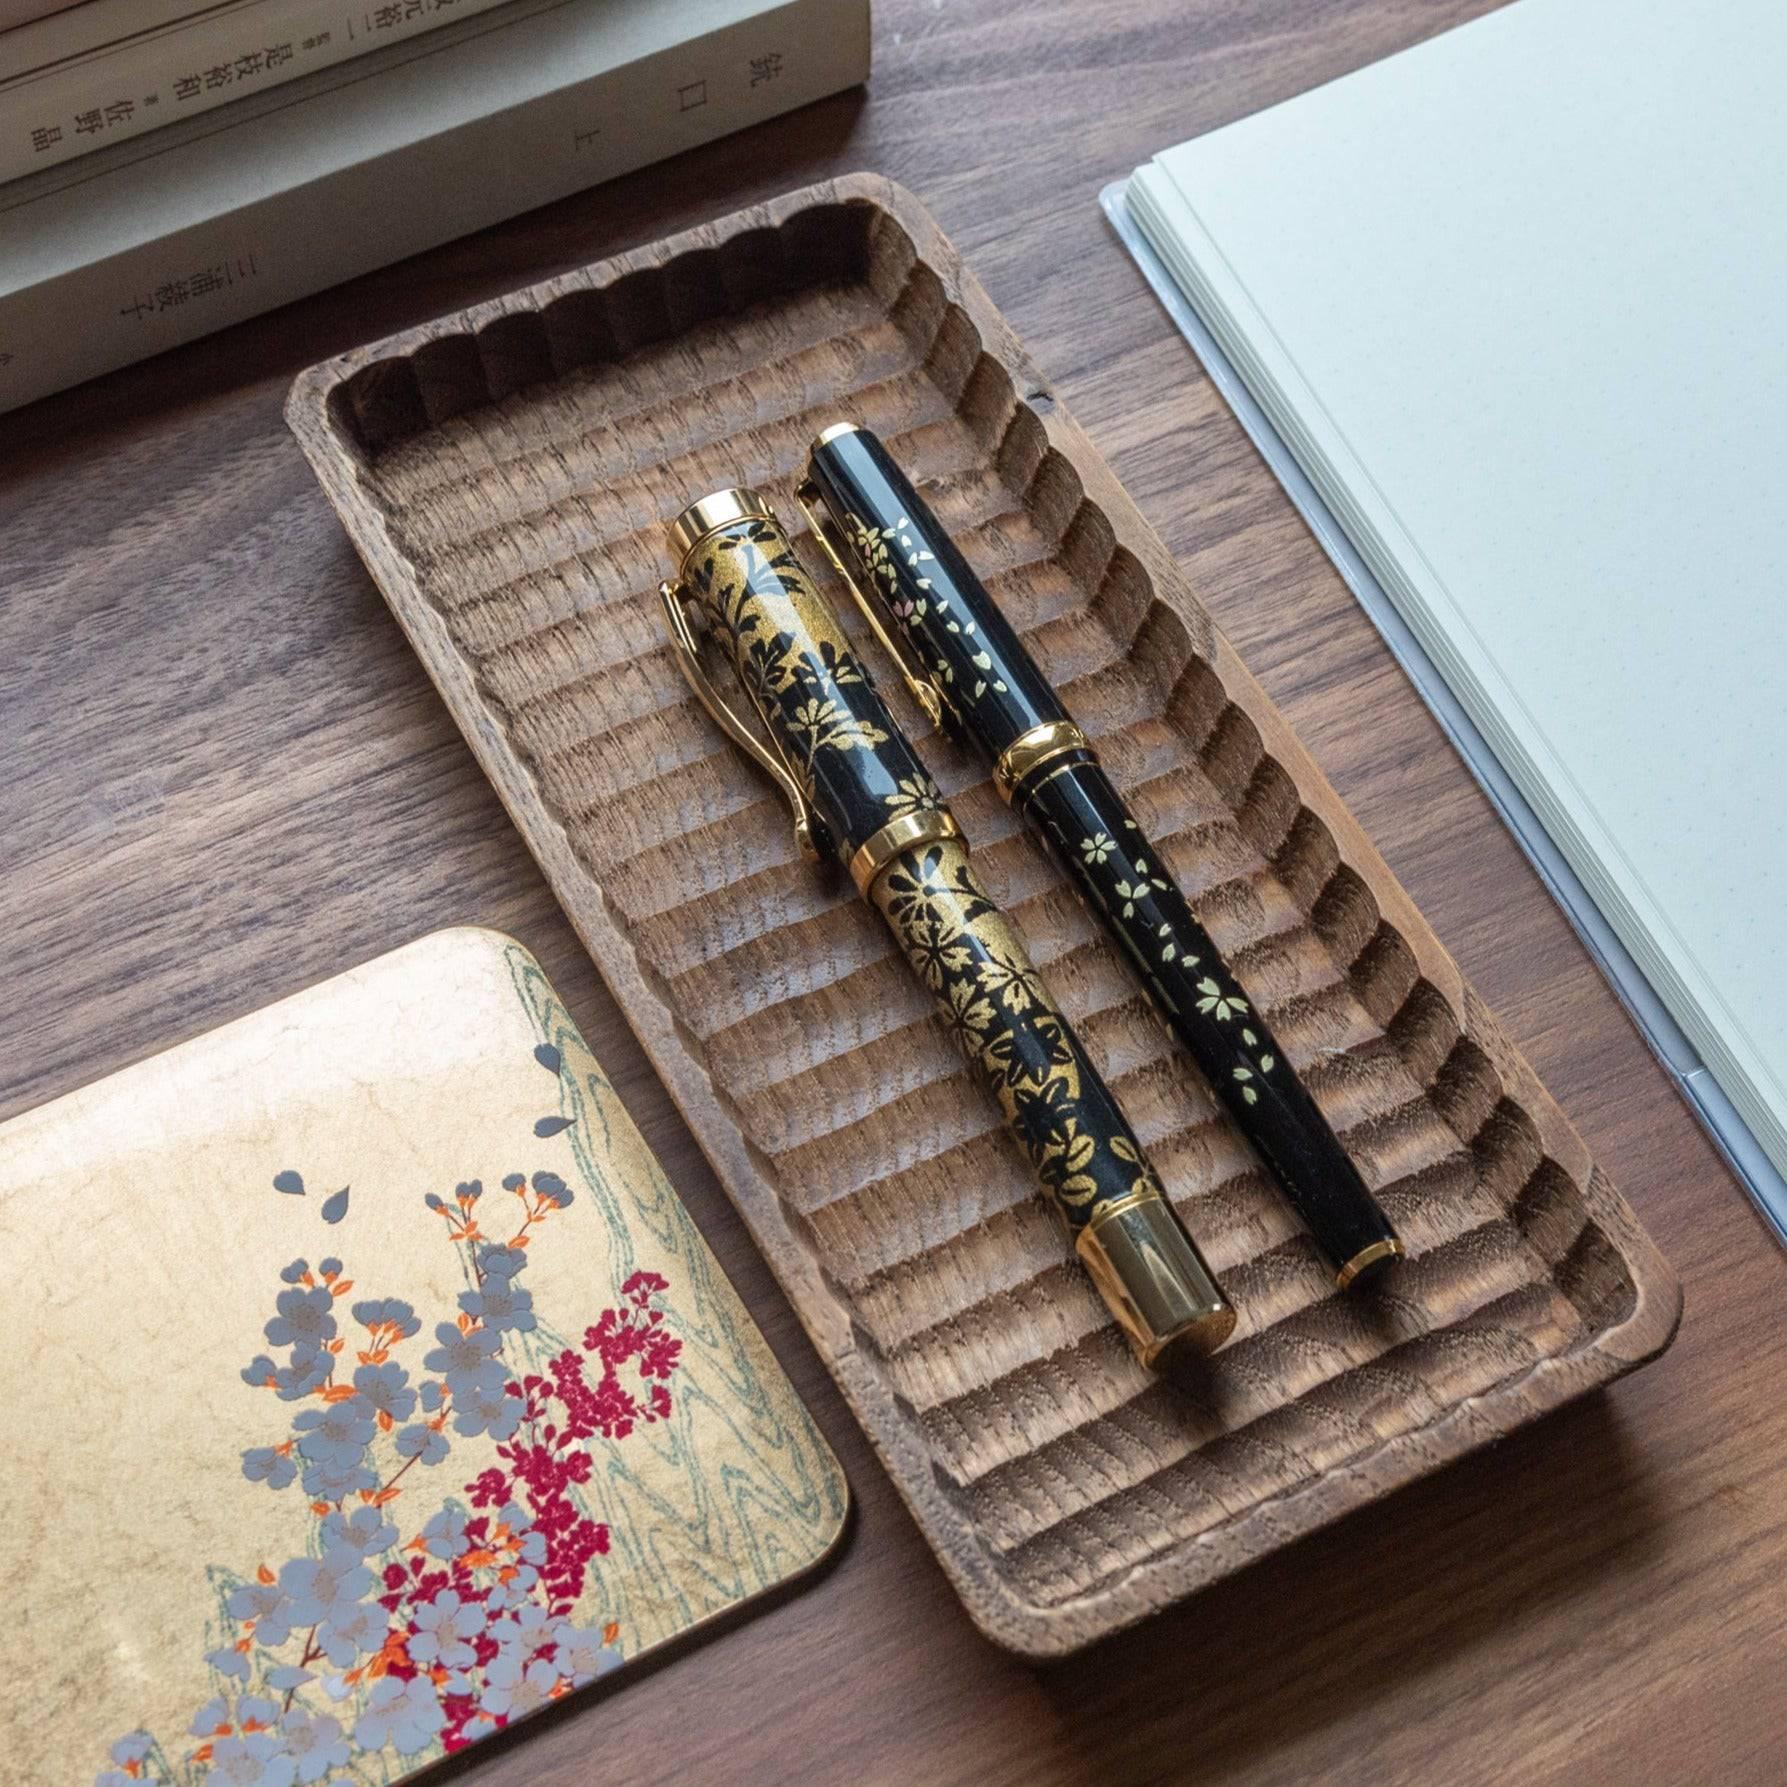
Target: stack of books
(171, 166)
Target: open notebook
(1510, 300)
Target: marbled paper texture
(368, 1388)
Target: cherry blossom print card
(410, 1399)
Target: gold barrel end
(1368, 1261)
(1156, 1283)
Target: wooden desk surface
(225, 777)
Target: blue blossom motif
(515, 1592)
(405, 1714)
(517, 1519)
(445, 1533)
(433, 1396)
(366, 1530)
(502, 1304)
(583, 1656)
(255, 1709)
(551, 1187)
(324, 1587)
(262, 1464)
(445, 1627)
(333, 1483)
(434, 1200)
(304, 1315)
(230, 1662)
(259, 1371)
(373, 1311)
(348, 1635)
(253, 1761)
(315, 1742)
(132, 1747)
(467, 1361)
(495, 1412)
(387, 1389)
(526, 1629)
(337, 1435)
(310, 1368)
(513, 1689)
(423, 1443)
(329, 1269)
(501, 1262)
(210, 1718)
(269, 1606)
(469, 1189)
(293, 1274)
(288, 1678)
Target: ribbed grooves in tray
(525, 471)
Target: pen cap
(829, 728)
(901, 558)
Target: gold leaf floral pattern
(1003, 1020)
(860, 775)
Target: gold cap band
(1155, 1281)
(1027, 753)
(880, 849)
(719, 509)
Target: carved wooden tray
(507, 472)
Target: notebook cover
(371, 1389)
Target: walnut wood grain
(227, 776)
(508, 474)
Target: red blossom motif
(545, 1461)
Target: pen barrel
(873, 797)
(968, 650)
(1099, 844)
(1054, 1101)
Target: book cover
(385, 1391)
(123, 253)
(14, 13)
(108, 70)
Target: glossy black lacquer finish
(995, 693)
(968, 650)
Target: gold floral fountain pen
(966, 665)
(859, 794)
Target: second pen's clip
(854, 564)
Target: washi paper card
(369, 1389)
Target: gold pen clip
(925, 692)
(808, 829)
